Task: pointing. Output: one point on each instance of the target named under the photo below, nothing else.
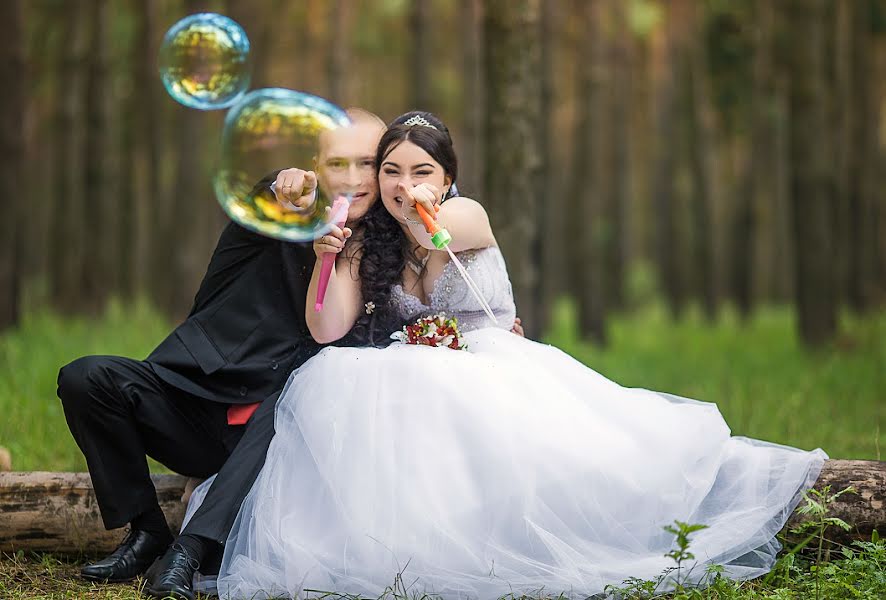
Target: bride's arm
(465, 220)
(343, 300)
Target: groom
(203, 401)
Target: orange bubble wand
(441, 239)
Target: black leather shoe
(172, 576)
(131, 558)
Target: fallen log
(864, 510)
(57, 512)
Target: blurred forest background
(714, 152)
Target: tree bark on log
(865, 510)
(57, 512)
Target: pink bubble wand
(339, 217)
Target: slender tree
(69, 225)
(98, 272)
(548, 191)
(420, 57)
(340, 16)
(811, 176)
(588, 195)
(862, 145)
(471, 151)
(12, 110)
(699, 134)
(663, 178)
(619, 101)
(512, 107)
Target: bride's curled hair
(385, 248)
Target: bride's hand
(334, 241)
(295, 189)
(425, 194)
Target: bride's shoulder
(465, 204)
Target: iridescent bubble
(204, 61)
(271, 129)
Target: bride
(505, 468)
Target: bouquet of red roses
(436, 331)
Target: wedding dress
(508, 468)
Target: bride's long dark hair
(383, 243)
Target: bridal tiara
(418, 120)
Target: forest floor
(765, 384)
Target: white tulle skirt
(507, 469)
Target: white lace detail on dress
(450, 293)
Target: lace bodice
(450, 293)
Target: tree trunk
(587, 198)
(12, 184)
(619, 197)
(512, 109)
(862, 189)
(700, 150)
(419, 61)
(547, 242)
(57, 512)
(666, 247)
(147, 204)
(764, 157)
(865, 510)
(100, 239)
(811, 177)
(471, 153)
(340, 36)
(69, 223)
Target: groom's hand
(518, 327)
(296, 189)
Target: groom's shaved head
(358, 115)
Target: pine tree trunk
(700, 145)
(471, 151)
(547, 243)
(862, 189)
(619, 100)
(12, 184)
(147, 205)
(419, 61)
(811, 176)
(512, 109)
(100, 237)
(663, 183)
(587, 222)
(69, 223)
(340, 36)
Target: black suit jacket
(246, 331)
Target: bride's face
(411, 165)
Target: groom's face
(346, 165)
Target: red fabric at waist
(238, 414)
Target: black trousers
(119, 411)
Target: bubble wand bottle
(441, 239)
(339, 217)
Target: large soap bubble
(204, 61)
(272, 129)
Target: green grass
(765, 384)
(33, 425)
